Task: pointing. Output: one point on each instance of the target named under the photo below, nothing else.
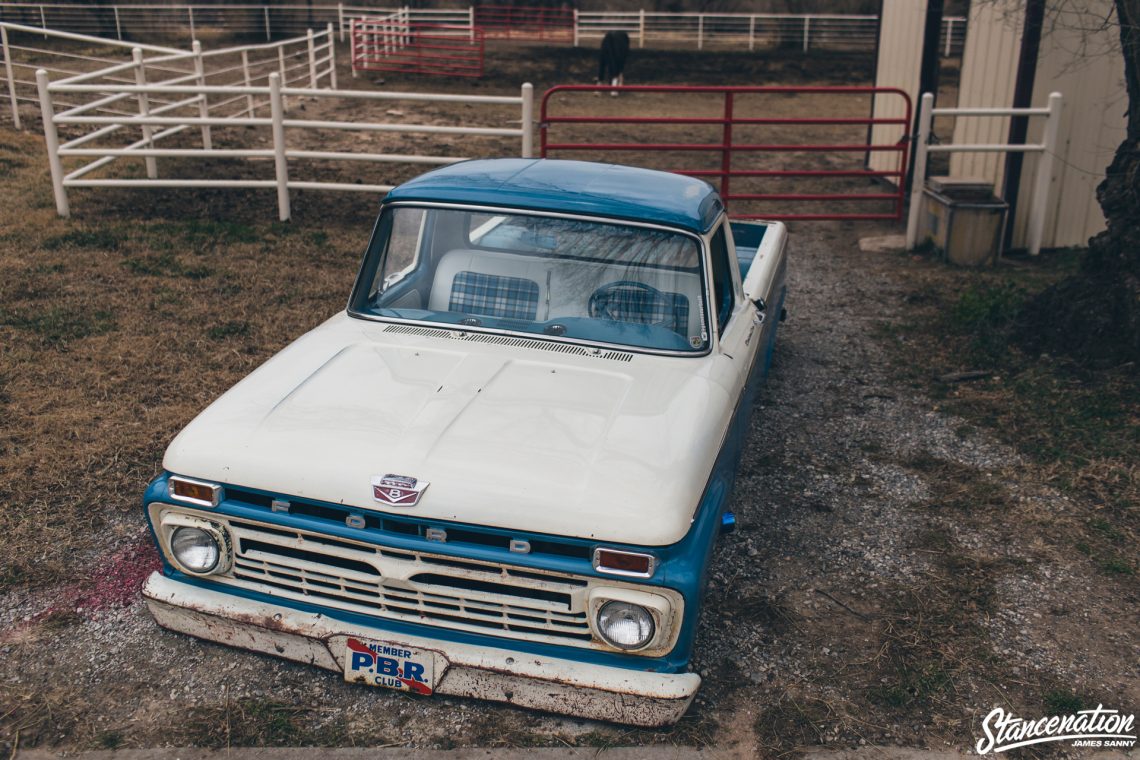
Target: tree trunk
(1094, 316)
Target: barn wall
(989, 73)
(903, 23)
(1082, 61)
(1079, 57)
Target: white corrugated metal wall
(900, 55)
(1080, 58)
(1082, 61)
(989, 73)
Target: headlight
(195, 549)
(625, 625)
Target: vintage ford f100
(501, 471)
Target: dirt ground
(898, 573)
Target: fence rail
(183, 103)
(700, 30)
(309, 60)
(742, 157)
(1047, 148)
(438, 50)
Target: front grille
(410, 585)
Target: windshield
(577, 279)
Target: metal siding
(900, 51)
(989, 73)
(1084, 64)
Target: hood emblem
(397, 490)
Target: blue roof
(577, 187)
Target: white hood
(508, 437)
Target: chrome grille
(410, 585)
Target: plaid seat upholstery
(494, 296)
(626, 302)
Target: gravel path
(847, 610)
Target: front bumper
(599, 692)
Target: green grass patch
(166, 264)
(228, 330)
(100, 238)
(253, 722)
(58, 325)
(1078, 424)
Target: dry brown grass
(117, 328)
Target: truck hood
(506, 436)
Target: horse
(611, 62)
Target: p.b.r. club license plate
(392, 666)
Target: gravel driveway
(855, 604)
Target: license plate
(392, 666)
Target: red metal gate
(513, 22)
(441, 50)
(739, 159)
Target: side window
(723, 295)
(403, 247)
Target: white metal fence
(309, 59)
(700, 30)
(1047, 148)
(184, 104)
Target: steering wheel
(632, 301)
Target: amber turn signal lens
(613, 561)
(203, 494)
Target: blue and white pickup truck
(501, 471)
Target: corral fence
(520, 22)
(309, 60)
(432, 49)
(733, 156)
(1047, 149)
(164, 98)
(700, 30)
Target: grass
(110, 328)
(254, 722)
(1078, 426)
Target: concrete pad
(883, 244)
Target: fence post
(284, 80)
(726, 151)
(190, 15)
(807, 32)
(249, 109)
(701, 32)
(528, 120)
(340, 19)
(751, 33)
(1044, 176)
(949, 35)
(11, 81)
(277, 113)
(118, 26)
(43, 21)
(265, 13)
(332, 57)
(51, 138)
(577, 34)
(471, 23)
(641, 28)
(312, 60)
(352, 48)
(203, 99)
(918, 179)
(144, 111)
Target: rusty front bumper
(570, 687)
